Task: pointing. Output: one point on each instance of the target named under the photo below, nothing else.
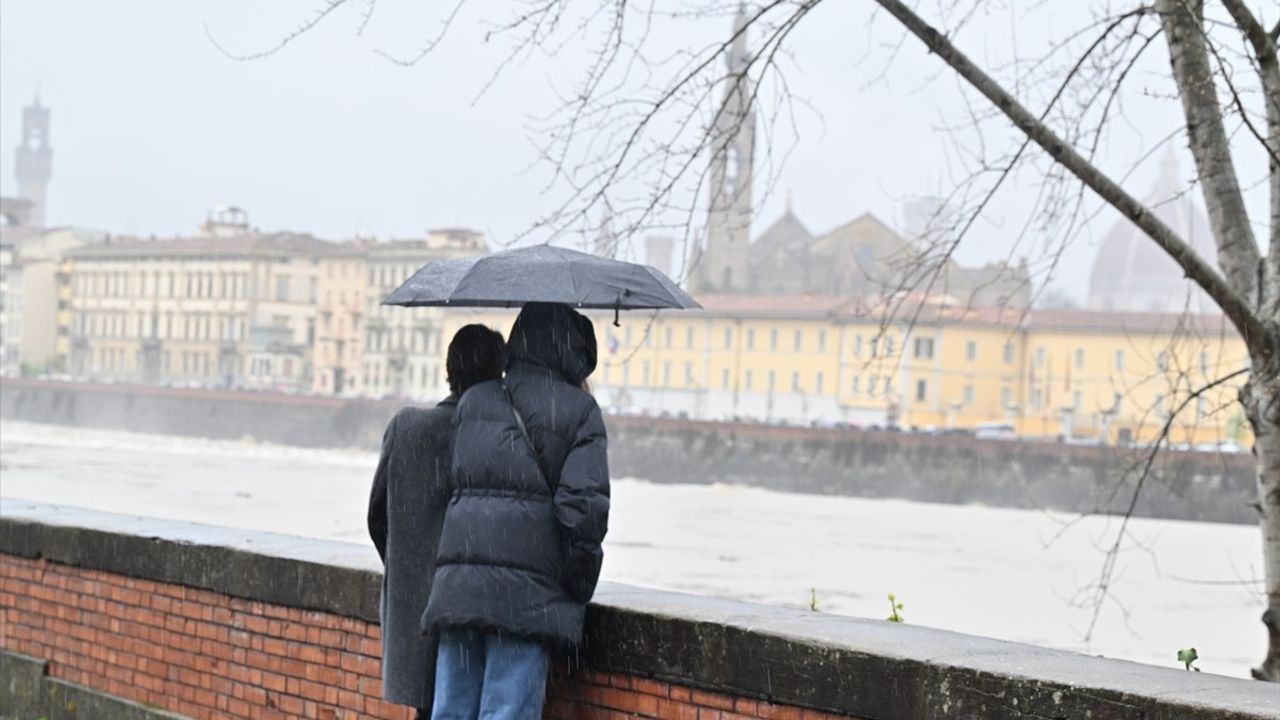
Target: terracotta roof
(772, 304)
(845, 309)
(1128, 322)
(272, 244)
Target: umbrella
(541, 273)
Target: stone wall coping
(868, 668)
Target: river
(1013, 574)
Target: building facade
(195, 310)
(1080, 375)
(342, 301)
(403, 348)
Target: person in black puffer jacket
(520, 555)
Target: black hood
(555, 337)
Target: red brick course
(211, 656)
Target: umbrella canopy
(541, 273)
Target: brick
(291, 705)
(651, 687)
(360, 664)
(769, 711)
(746, 707)
(712, 700)
(682, 694)
(671, 710)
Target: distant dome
(1132, 273)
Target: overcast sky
(152, 125)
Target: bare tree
(634, 135)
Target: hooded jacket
(520, 549)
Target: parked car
(995, 431)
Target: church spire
(722, 264)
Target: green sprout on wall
(1187, 657)
(894, 607)
(813, 599)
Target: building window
(871, 386)
(688, 374)
(795, 381)
(853, 387)
(747, 382)
(1008, 352)
(666, 373)
(888, 346)
(1039, 358)
(688, 338)
(771, 379)
(1075, 401)
(1036, 399)
(724, 379)
(971, 351)
(282, 289)
(1119, 360)
(1079, 358)
(817, 384)
(922, 390)
(728, 338)
(773, 339)
(1162, 361)
(822, 341)
(799, 340)
(968, 396)
(1006, 398)
(669, 343)
(644, 373)
(1204, 363)
(626, 337)
(924, 348)
(751, 339)
(857, 346)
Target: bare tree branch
(1238, 253)
(1235, 306)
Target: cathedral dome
(1132, 273)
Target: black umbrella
(541, 273)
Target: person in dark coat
(520, 553)
(406, 511)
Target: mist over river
(1012, 574)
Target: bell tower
(722, 266)
(34, 162)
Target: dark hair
(476, 354)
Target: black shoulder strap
(537, 457)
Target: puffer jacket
(520, 553)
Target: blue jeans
(489, 676)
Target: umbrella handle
(617, 306)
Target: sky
(152, 125)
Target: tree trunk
(1261, 398)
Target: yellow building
(1088, 376)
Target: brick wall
(207, 655)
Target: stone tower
(34, 160)
(722, 266)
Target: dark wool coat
(406, 512)
(520, 553)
